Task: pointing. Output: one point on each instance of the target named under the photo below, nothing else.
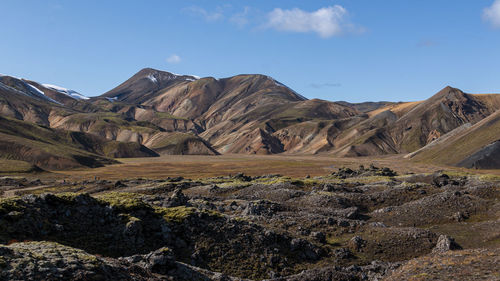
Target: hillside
(59, 149)
(254, 114)
(130, 125)
(473, 146)
(407, 127)
(238, 114)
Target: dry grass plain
(195, 167)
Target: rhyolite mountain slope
(256, 114)
(406, 127)
(130, 125)
(251, 114)
(470, 146)
(239, 114)
(59, 149)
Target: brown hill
(368, 106)
(255, 114)
(471, 146)
(238, 114)
(407, 127)
(20, 100)
(145, 84)
(131, 125)
(440, 114)
(58, 149)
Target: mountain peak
(155, 73)
(146, 83)
(447, 92)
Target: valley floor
(195, 166)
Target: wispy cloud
(241, 19)
(174, 59)
(326, 22)
(492, 14)
(210, 16)
(324, 85)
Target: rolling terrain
(58, 149)
(305, 189)
(172, 114)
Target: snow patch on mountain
(187, 77)
(152, 78)
(72, 94)
(37, 92)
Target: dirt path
(12, 192)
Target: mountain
(256, 114)
(130, 125)
(145, 84)
(58, 149)
(21, 100)
(440, 114)
(169, 113)
(470, 146)
(239, 114)
(407, 127)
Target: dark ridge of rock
(344, 173)
(487, 157)
(53, 261)
(123, 224)
(374, 271)
(177, 199)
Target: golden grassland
(198, 167)
(296, 166)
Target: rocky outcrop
(473, 264)
(445, 243)
(123, 224)
(53, 261)
(317, 228)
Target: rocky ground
(363, 224)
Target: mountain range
(160, 113)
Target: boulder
(445, 243)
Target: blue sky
(398, 50)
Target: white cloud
(492, 14)
(326, 22)
(209, 16)
(174, 59)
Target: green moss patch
(8, 205)
(124, 201)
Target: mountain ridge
(243, 114)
